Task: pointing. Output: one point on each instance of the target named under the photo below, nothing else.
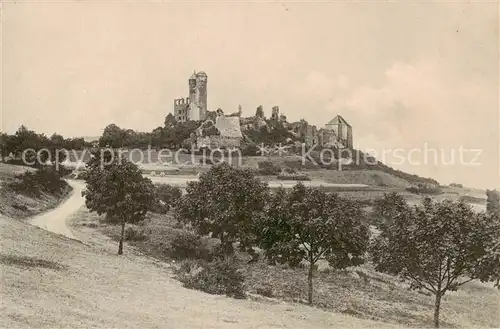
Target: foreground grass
(49, 281)
(360, 292)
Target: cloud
(420, 105)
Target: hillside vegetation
(24, 192)
(360, 292)
(232, 235)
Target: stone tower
(198, 96)
(276, 113)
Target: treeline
(436, 247)
(171, 135)
(26, 139)
(175, 135)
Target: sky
(418, 78)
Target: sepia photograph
(249, 164)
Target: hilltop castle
(337, 132)
(193, 107)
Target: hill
(17, 205)
(361, 291)
(50, 281)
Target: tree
(493, 201)
(170, 121)
(492, 260)
(112, 136)
(224, 203)
(56, 145)
(29, 143)
(167, 196)
(183, 131)
(387, 207)
(434, 246)
(308, 224)
(6, 145)
(57, 140)
(76, 144)
(118, 190)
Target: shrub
(206, 161)
(45, 179)
(293, 176)
(268, 168)
(21, 207)
(221, 277)
(65, 171)
(80, 175)
(188, 245)
(166, 197)
(471, 199)
(265, 290)
(250, 149)
(132, 234)
(424, 189)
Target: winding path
(55, 220)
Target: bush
(423, 189)
(132, 234)
(298, 165)
(265, 290)
(65, 171)
(46, 179)
(187, 245)
(218, 278)
(293, 176)
(80, 175)
(166, 197)
(268, 168)
(250, 149)
(206, 161)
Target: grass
(472, 199)
(29, 262)
(8, 171)
(361, 292)
(15, 205)
(98, 289)
(367, 177)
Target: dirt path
(55, 220)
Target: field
(360, 292)
(8, 171)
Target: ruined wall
(215, 142)
(275, 113)
(181, 109)
(193, 107)
(201, 97)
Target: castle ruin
(193, 107)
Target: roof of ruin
(228, 126)
(338, 119)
